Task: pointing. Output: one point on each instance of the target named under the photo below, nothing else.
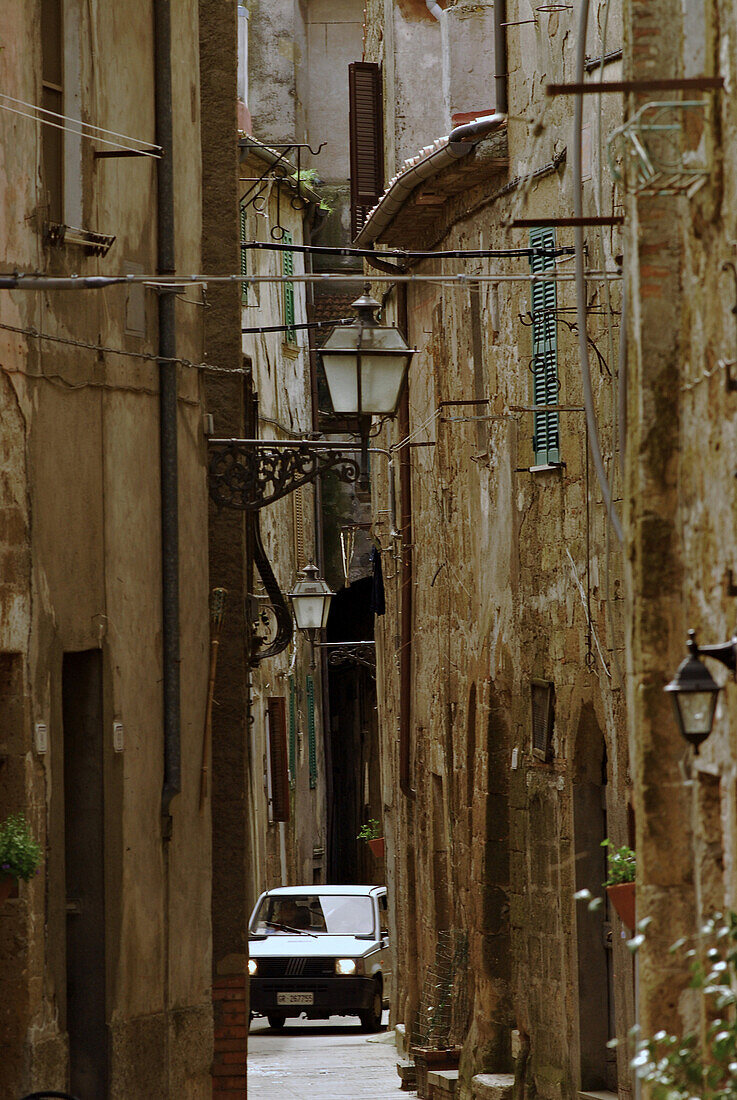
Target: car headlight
(346, 966)
(252, 967)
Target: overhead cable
(401, 254)
(144, 148)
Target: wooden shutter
(292, 732)
(366, 139)
(244, 255)
(278, 759)
(546, 440)
(298, 511)
(288, 270)
(311, 746)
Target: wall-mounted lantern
(311, 602)
(694, 690)
(365, 363)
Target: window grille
(311, 746)
(546, 439)
(542, 719)
(278, 759)
(288, 270)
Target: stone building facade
(502, 661)
(105, 955)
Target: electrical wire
(148, 150)
(401, 254)
(581, 277)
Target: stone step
(442, 1083)
(407, 1074)
(493, 1086)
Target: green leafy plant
(371, 831)
(681, 1067)
(621, 864)
(20, 853)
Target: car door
(386, 946)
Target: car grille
(295, 968)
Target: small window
(290, 336)
(542, 719)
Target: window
(311, 746)
(366, 126)
(542, 719)
(546, 438)
(288, 270)
(52, 99)
(278, 773)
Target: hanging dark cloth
(378, 601)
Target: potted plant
(620, 883)
(20, 854)
(371, 833)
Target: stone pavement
(321, 1060)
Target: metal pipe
(588, 398)
(181, 282)
(434, 8)
(500, 55)
(405, 613)
(166, 264)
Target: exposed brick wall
(230, 1010)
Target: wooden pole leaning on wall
(218, 598)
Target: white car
(319, 950)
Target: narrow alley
(321, 1060)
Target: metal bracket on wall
(351, 654)
(280, 171)
(277, 605)
(248, 474)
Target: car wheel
(276, 1021)
(371, 1017)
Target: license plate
(295, 998)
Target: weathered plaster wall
(85, 480)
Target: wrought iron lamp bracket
(248, 474)
(724, 652)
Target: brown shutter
(278, 759)
(367, 139)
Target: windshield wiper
(287, 928)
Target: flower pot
(622, 898)
(377, 846)
(8, 887)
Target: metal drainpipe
(167, 409)
(405, 634)
(500, 55)
(434, 8)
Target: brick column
(230, 1011)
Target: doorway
(596, 1021)
(84, 872)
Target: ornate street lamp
(311, 602)
(694, 690)
(365, 363)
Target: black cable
(369, 254)
(306, 324)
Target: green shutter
(546, 439)
(288, 270)
(311, 747)
(244, 255)
(292, 733)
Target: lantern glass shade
(694, 693)
(368, 380)
(311, 600)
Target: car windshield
(330, 914)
